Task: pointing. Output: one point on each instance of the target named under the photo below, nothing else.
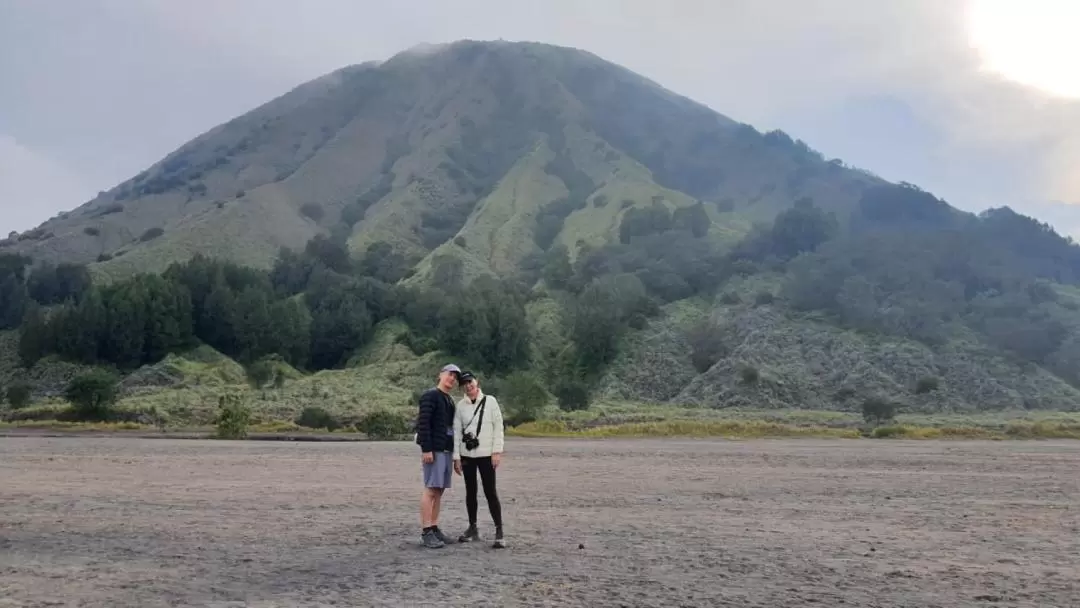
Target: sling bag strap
(480, 422)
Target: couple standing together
(465, 439)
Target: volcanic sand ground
(135, 522)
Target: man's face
(447, 380)
(472, 389)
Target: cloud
(33, 187)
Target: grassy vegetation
(603, 420)
(63, 425)
(681, 428)
(629, 420)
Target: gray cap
(450, 368)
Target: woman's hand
(427, 458)
(457, 467)
(495, 460)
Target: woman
(478, 447)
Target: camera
(470, 441)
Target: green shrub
(885, 432)
(313, 211)
(572, 396)
(19, 395)
(418, 344)
(708, 344)
(525, 399)
(234, 417)
(749, 374)
(460, 241)
(878, 411)
(600, 201)
(151, 234)
(764, 298)
(92, 394)
(91, 231)
(730, 298)
(384, 425)
(927, 384)
(314, 417)
(261, 373)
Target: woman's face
(472, 389)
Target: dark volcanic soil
(126, 522)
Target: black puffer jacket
(435, 422)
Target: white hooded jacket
(491, 433)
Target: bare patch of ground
(132, 522)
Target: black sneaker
(442, 537)
(431, 541)
(470, 535)
(500, 542)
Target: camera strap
(479, 411)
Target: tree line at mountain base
(904, 264)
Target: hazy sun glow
(1031, 42)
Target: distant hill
(663, 252)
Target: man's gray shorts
(438, 473)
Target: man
(435, 434)
(478, 447)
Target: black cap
(466, 376)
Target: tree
(572, 395)
(447, 272)
(601, 314)
(338, 328)
(382, 424)
(708, 344)
(168, 322)
(525, 399)
(13, 300)
(126, 322)
(641, 222)
(19, 395)
(693, 219)
(90, 318)
(313, 211)
(878, 411)
(291, 323)
(234, 417)
(92, 394)
(261, 372)
(331, 254)
(33, 337)
(254, 333)
(50, 284)
(314, 417)
(557, 270)
(216, 323)
(291, 272)
(802, 228)
(381, 262)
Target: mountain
(588, 224)
(469, 139)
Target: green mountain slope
(411, 149)
(653, 249)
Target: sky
(977, 101)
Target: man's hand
(457, 467)
(428, 458)
(495, 460)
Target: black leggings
(469, 467)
